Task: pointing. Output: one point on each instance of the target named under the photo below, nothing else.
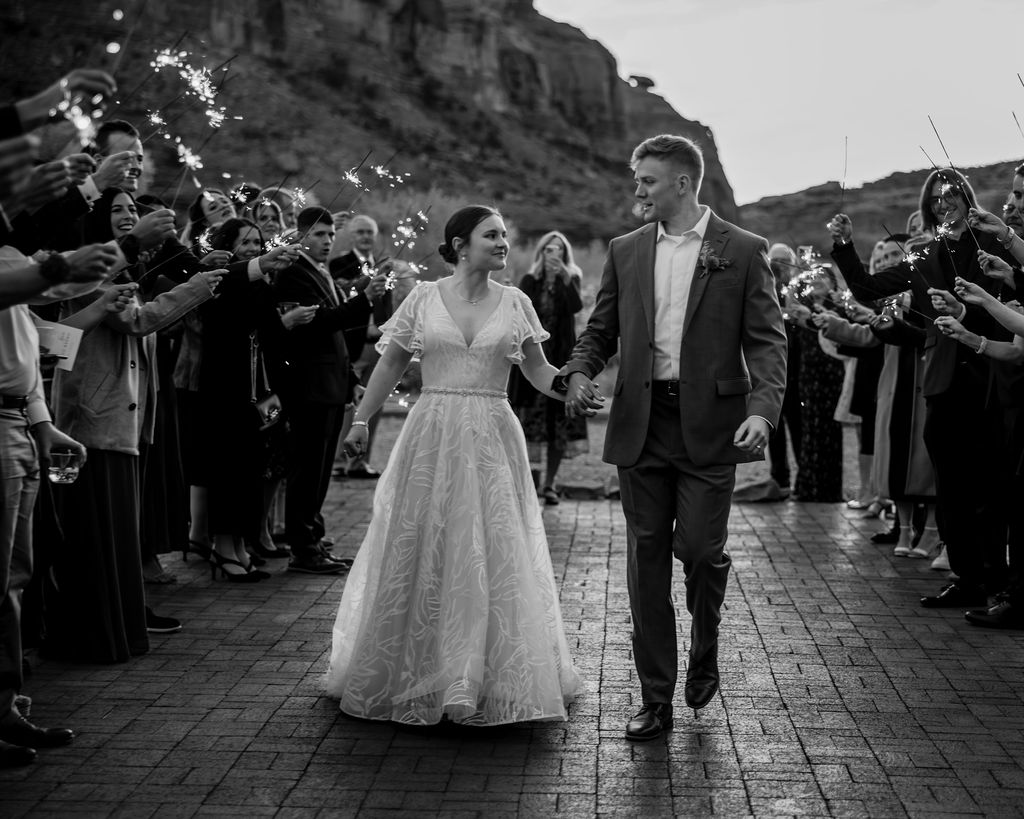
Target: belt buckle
(673, 388)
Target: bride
(450, 610)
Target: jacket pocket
(733, 386)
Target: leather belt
(15, 402)
(670, 388)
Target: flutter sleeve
(405, 327)
(526, 326)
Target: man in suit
(317, 387)
(690, 301)
(349, 271)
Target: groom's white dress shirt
(675, 260)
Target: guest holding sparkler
(352, 272)
(316, 389)
(820, 478)
(242, 362)
(959, 430)
(210, 209)
(108, 403)
(553, 286)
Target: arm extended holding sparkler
(1004, 314)
(82, 82)
(984, 222)
(863, 286)
(1011, 351)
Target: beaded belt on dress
(461, 391)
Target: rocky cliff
(485, 101)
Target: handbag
(264, 400)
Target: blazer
(732, 361)
(108, 401)
(943, 354)
(317, 355)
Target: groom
(690, 301)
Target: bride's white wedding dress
(450, 609)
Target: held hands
(583, 397)
(945, 303)
(155, 228)
(984, 222)
(46, 183)
(355, 442)
(752, 435)
(972, 293)
(298, 316)
(840, 228)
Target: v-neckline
(469, 344)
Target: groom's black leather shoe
(653, 719)
(702, 677)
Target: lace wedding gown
(450, 609)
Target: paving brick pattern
(840, 697)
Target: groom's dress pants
(673, 508)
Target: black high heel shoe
(218, 561)
(889, 536)
(204, 550)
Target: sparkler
(959, 186)
(1019, 130)
(122, 48)
(842, 185)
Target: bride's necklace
(473, 302)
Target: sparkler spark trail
(959, 185)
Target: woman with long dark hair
(241, 364)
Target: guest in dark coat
(553, 285)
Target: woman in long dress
(450, 610)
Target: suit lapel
(717, 237)
(643, 252)
(319, 280)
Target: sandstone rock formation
(484, 100)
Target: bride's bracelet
(361, 424)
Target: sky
(796, 90)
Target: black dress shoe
(1003, 614)
(651, 722)
(702, 678)
(19, 731)
(956, 596)
(888, 537)
(15, 756)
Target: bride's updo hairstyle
(460, 226)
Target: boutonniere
(709, 262)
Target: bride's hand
(355, 442)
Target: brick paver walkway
(840, 697)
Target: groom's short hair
(683, 152)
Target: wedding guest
(820, 478)
(783, 262)
(316, 388)
(242, 363)
(959, 433)
(108, 403)
(28, 437)
(553, 287)
(211, 208)
(352, 272)
(268, 217)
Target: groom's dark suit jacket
(316, 352)
(732, 361)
